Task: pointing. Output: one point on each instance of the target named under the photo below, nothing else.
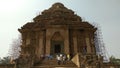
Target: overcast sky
(16, 13)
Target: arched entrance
(57, 44)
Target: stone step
(53, 64)
(59, 66)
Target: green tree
(114, 60)
(5, 60)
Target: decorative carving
(63, 32)
(23, 61)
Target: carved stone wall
(57, 26)
(63, 32)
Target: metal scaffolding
(99, 44)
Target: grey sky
(15, 13)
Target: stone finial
(58, 5)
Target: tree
(0, 60)
(5, 60)
(114, 60)
(15, 48)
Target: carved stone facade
(59, 30)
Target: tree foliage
(114, 60)
(5, 60)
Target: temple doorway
(57, 44)
(57, 48)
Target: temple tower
(57, 30)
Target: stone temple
(58, 30)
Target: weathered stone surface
(7, 66)
(58, 30)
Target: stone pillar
(93, 49)
(41, 48)
(88, 42)
(24, 35)
(88, 45)
(48, 35)
(66, 41)
(75, 44)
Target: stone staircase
(53, 64)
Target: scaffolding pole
(99, 44)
